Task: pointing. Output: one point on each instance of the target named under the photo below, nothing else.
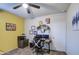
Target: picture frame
(35, 32)
(30, 32)
(47, 20)
(75, 22)
(33, 27)
(10, 27)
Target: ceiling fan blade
(33, 5)
(17, 6)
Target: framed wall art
(33, 27)
(75, 22)
(47, 20)
(10, 27)
(30, 32)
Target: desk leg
(49, 47)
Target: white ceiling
(45, 9)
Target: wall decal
(40, 23)
(75, 22)
(10, 27)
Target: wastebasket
(22, 42)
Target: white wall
(58, 29)
(72, 36)
(61, 28)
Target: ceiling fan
(27, 5)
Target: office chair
(38, 45)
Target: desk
(43, 39)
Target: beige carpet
(28, 51)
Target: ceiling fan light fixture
(25, 5)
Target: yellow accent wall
(8, 39)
